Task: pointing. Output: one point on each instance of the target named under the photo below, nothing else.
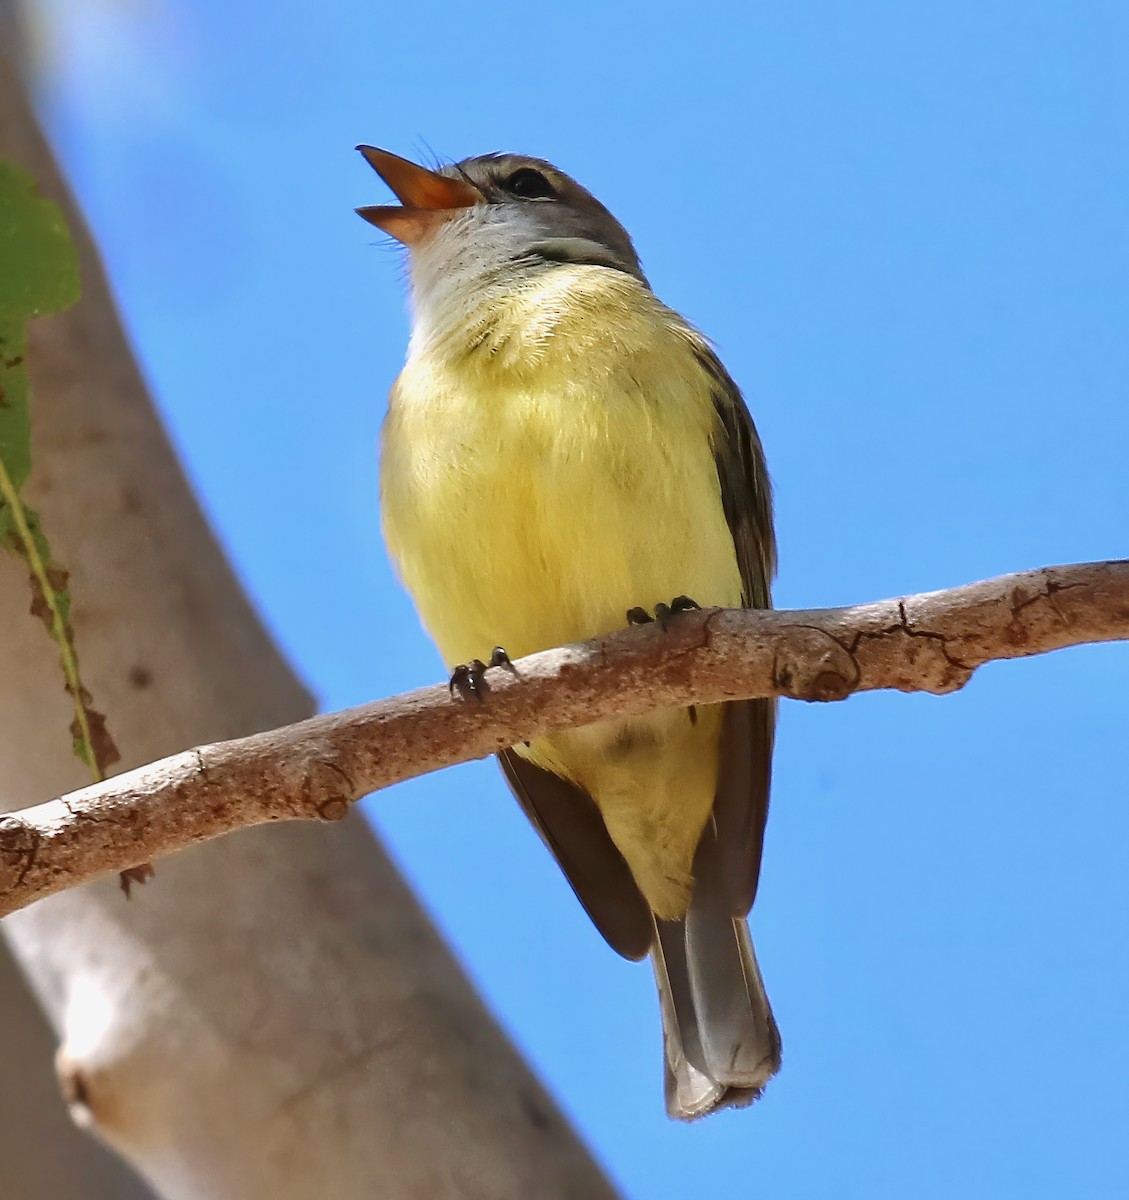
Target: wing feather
(745, 774)
(571, 826)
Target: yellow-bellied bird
(561, 448)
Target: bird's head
(496, 214)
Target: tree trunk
(42, 1155)
(272, 1015)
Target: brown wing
(570, 824)
(741, 805)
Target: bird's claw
(663, 612)
(469, 679)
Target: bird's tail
(721, 1041)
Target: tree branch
(316, 768)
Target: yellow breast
(545, 468)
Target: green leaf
(38, 275)
(40, 268)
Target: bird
(562, 453)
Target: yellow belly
(532, 495)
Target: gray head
(498, 212)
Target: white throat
(461, 270)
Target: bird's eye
(528, 184)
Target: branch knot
(812, 664)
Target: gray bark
(42, 1155)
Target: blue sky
(905, 227)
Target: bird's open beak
(427, 198)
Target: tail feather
(722, 1044)
(690, 1091)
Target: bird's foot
(663, 612)
(469, 679)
